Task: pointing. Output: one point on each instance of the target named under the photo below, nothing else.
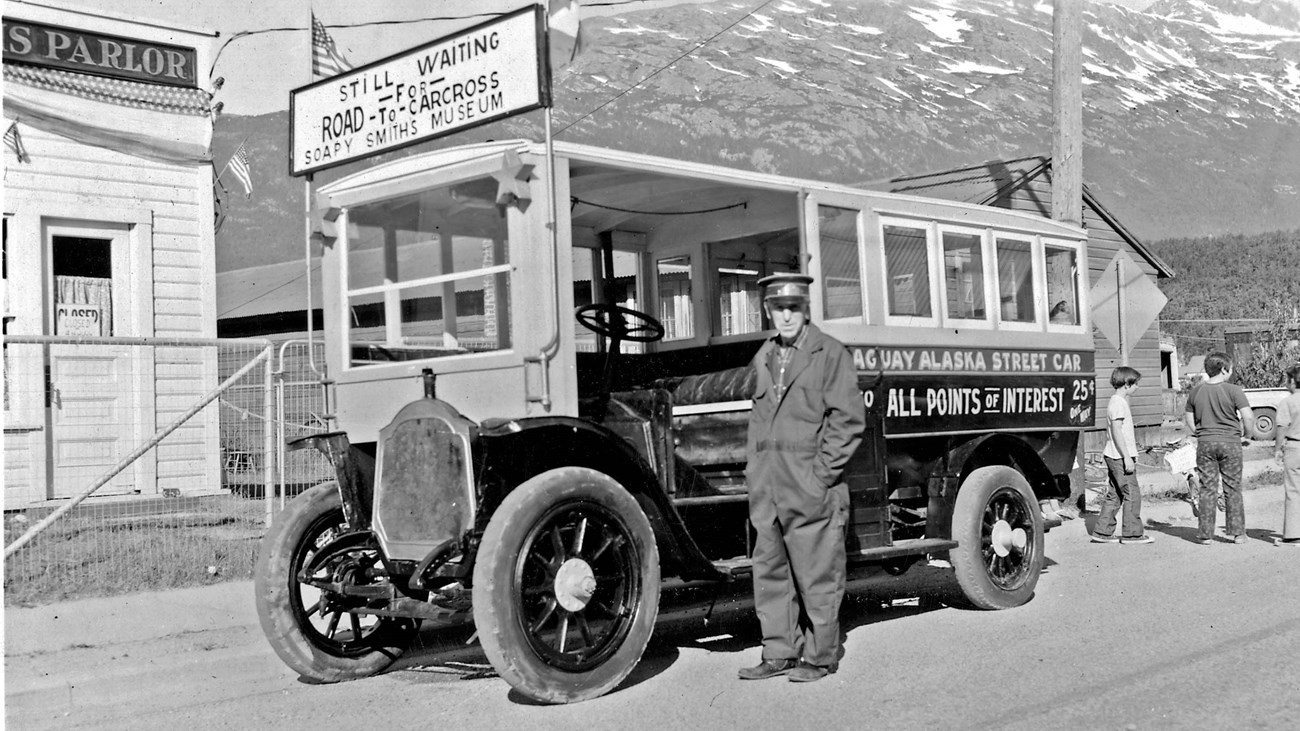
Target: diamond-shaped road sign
(1125, 302)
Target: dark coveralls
(798, 501)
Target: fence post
(268, 433)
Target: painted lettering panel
(947, 390)
(98, 53)
(477, 76)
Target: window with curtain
(675, 310)
(963, 273)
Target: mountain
(1225, 282)
(1191, 106)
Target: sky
(260, 69)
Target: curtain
(95, 291)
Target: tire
(566, 586)
(308, 628)
(1265, 423)
(999, 531)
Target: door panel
(94, 399)
(92, 417)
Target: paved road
(1169, 635)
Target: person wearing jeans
(1288, 452)
(1122, 490)
(1217, 414)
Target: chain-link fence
(147, 463)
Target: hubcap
(1005, 539)
(1008, 526)
(575, 584)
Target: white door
(93, 391)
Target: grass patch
(111, 549)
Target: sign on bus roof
(473, 77)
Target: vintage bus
(541, 370)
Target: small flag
(325, 57)
(15, 142)
(566, 36)
(239, 166)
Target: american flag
(567, 35)
(239, 166)
(14, 142)
(325, 57)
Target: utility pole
(1067, 111)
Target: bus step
(740, 566)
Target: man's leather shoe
(768, 669)
(806, 673)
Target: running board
(910, 547)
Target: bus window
(1015, 280)
(841, 275)
(675, 310)
(1062, 284)
(907, 271)
(427, 277)
(963, 275)
(592, 284)
(738, 264)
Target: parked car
(1264, 401)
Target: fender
(515, 450)
(1011, 451)
(354, 471)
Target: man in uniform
(807, 421)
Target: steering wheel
(620, 323)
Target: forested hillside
(1229, 277)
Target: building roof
(993, 183)
(266, 289)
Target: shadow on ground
(713, 618)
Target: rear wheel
(566, 586)
(312, 630)
(1265, 421)
(999, 530)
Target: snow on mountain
(1192, 107)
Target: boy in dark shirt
(1217, 414)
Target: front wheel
(999, 531)
(312, 630)
(566, 585)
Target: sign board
(1125, 302)
(939, 389)
(476, 76)
(78, 320)
(101, 54)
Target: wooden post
(1121, 311)
(1067, 111)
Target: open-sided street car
(542, 423)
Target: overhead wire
(665, 67)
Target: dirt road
(1168, 635)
